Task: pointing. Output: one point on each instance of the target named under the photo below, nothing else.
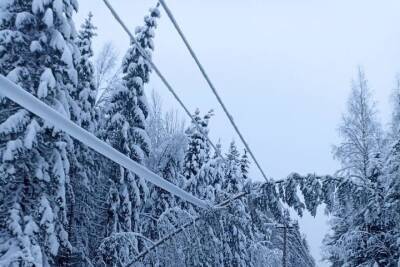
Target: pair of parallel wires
(204, 74)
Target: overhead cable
(211, 85)
(34, 105)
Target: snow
(31, 132)
(15, 221)
(5, 3)
(22, 19)
(48, 18)
(57, 41)
(66, 28)
(31, 227)
(47, 81)
(73, 75)
(35, 47)
(15, 122)
(75, 4)
(67, 57)
(58, 7)
(47, 220)
(12, 148)
(14, 74)
(38, 5)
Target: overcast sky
(283, 67)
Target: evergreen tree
(125, 131)
(83, 169)
(212, 175)
(236, 223)
(197, 153)
(37, 52)
(233, 182)
(86, 90)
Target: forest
(64, 204)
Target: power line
(161, 76)
(211, 85)
(31, 103)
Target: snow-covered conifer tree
(86, 90)
(197, 153)
(125, 131)
(83, 170)
(235, 223)
(233, 182)
(37, 52)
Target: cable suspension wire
(211, 85)
(31, 103)
(161, 76)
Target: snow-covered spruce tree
(125, 126)
(36, 52)
(208, 242)
(356, 223)
(198, 150)
(198, 245)
(197, 153)
(83, 170)
(236, 222)
(234, 178)
(86, 90)
(212, 175)
(203, 175)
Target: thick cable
(37, 107)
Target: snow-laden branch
(183, 227)
(31, 103)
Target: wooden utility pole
(285, 228)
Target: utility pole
(285, 228)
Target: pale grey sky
(283, 67)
